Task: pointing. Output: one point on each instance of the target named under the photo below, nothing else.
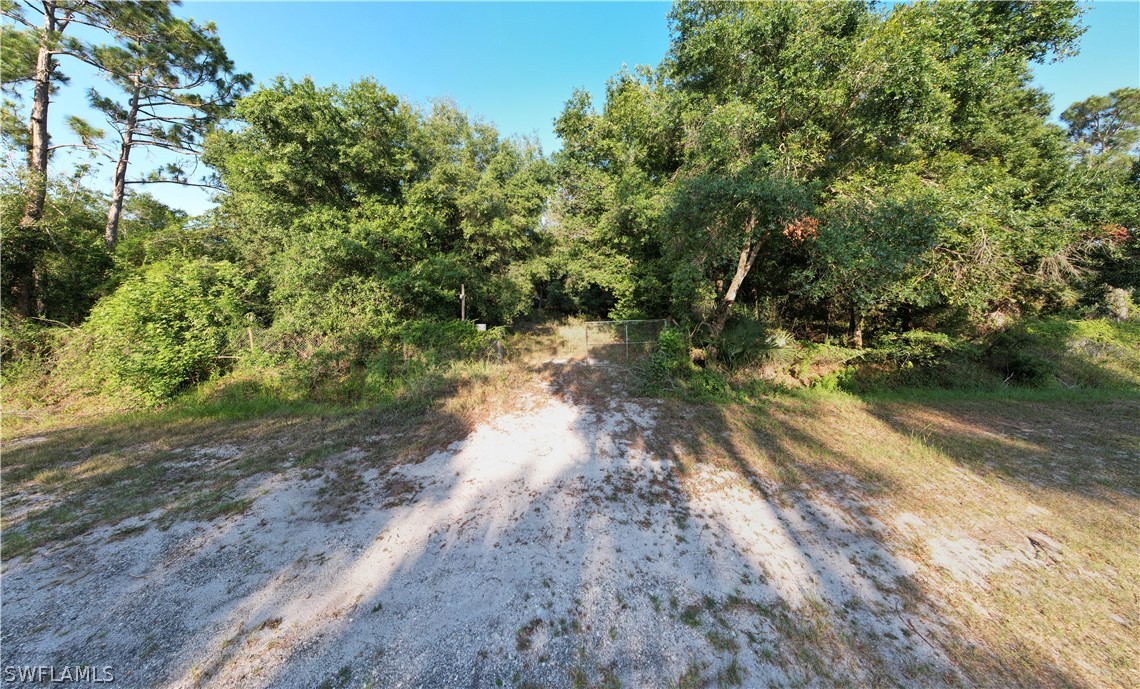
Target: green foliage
(1013, 354)
(1068, 352)
(668, 365)
(461, 338)
(64, 254)
(672, 348)
(25, 347)
(360, 212)
(743, 341)
(1105, 129)
(864, 161)
(789, 167)
(165, 328)
(670, 370)
(175, 83)
(874, 250)
(919, 348)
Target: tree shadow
(586, 537)
(1035, 444)
(811, 451)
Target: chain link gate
(621, 339)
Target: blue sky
(516, 63)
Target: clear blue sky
(516, 63)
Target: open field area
(775, 344)
(541, 526)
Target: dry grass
(1039, 498)
(561, 339)
(567, 338)
(64, 478)
(1022, 514)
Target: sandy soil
(551, 547)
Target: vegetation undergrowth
(1046, 358)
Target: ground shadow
(586, 538)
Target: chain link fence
(621, 341)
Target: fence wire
(621, 340)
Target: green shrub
(742, 342)
(164, 330)
(815, 359)
(1014, 354)
(670, 368)
(915, 348)
(1095, 352)
(24, 344)
(450, 338)
(707, 384)
(672, 350)
(667, 365)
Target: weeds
(523, 636)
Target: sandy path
(549, 547)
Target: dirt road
(551, 547)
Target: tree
(17, 67)
(43, 25)
(1105, 129)
(178, 82)
(870, 249)
(772, 116)
(606, 212)
(44, 74)
(763, 87)
(63, 249)
(360, 211)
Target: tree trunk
(22, 288)
(119, 181)
(855, 328)
(36, 191)
(744, 264)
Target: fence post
(586, 327)
(627, 341)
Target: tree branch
(216, 187)
(93, 149)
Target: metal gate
(621, 339)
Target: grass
(523, 640)
(692, 677)
(1003, 468)
(188, 461)
(993, 468)
(691, 616)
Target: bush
(742, 342)
(919, 358)
(23, 343)
(672, 350)
(1014, 355)
(671, 368)
(450, 339)
(165, 329)
(915, 348)
(1096, 352)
